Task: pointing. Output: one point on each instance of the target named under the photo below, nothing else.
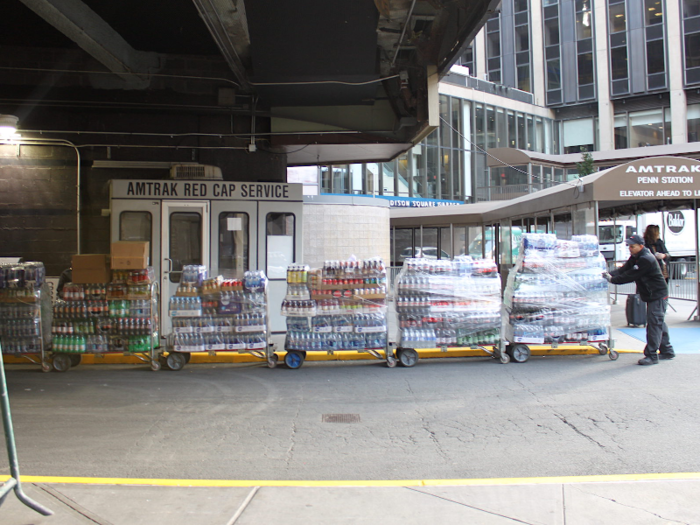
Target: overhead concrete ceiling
(317, 69)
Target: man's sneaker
(667, 356)
(648, 361)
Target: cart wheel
(176, 361)
(187, 357)
(61, 362)
(505, 358)
(602, 349)
(155, 366)
(391, 362)
(294, 359)
(613, 355)
(408, 357)
(519, 353)
(272, 360)
(45, 367)
(74, 359)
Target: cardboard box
(129, 255)
(91, 269)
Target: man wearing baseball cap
(644, 270)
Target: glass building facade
(589, 54)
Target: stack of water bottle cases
(448, 303)
(119, 316)
(217, 314)
(341, 306)
(556, 293)
(21, 308)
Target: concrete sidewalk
(649, 499)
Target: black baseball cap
(634, 239)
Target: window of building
(691, 40)
(694, 123)
(646, 128)
(619, 67)
(621, 141)
(512, 131)
(617, 17)
(584, 19)
(356, 185)
(493, 48)
(387, 181)
(653, 11)
(468, 59)
(655, 48)
(578, 135)
(326, 180)
(584, 49)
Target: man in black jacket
(643, 269)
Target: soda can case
(448, 303)
(556, 293)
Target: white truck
(677, 231)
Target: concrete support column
(674, 39)
(537, 46)
(480, 54)
(606, 112)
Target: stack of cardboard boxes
(95, 268)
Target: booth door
(280, 244)
(184, 241)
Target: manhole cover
(340, 418)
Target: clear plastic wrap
(25, 309)
(455, 303)
(344, 304)
(220, 315)
(555, 293)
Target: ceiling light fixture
(8, 125)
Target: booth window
(234, 243)
(280, 235)
(185, 242)
(136, 226)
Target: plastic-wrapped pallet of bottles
(25, 309)
(555, 293)
(219, 315)
(119, 316)
(448, 303)
(341, 306)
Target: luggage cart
(98, 324)
(340, 307)
(556, 301)
(25, 312)
(409, 356)
(520, 352)
(221, 316)
(448, 306)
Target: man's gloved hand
(659, 255)
(606, 276)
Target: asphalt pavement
(559, 439)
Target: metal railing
(682, 283)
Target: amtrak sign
(653, 178)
